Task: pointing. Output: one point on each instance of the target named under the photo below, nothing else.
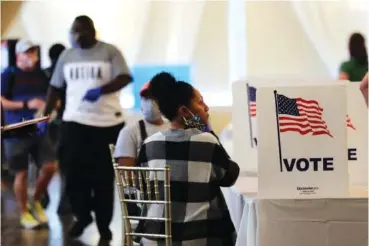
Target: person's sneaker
(40, 213)
(29, 222)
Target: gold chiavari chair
(139, 179)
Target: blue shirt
(18, 85)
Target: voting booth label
(244, 117)
(302, 142)
(357, 132)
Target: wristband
(25, 104)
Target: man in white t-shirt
(93, 73)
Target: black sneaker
(78, 227)
(106, 235)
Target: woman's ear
(184, 112)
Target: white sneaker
(28, 221)
(39, 212)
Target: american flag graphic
(252, 101)
(302, 116)
(349, 123)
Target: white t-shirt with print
(129, 140)
(83, 69)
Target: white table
(289, 222)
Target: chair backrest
(146, 185)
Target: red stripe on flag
(253, 109)
(349, 123)
(310, 119)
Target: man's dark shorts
(17, 152)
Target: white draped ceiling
(172, 25)
(135, 26)
(151, 31)
(328, 25)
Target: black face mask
(84, 40)
(80, 40)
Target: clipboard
(24, 123)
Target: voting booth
(246, 123)
(303, 152)
(302, 142)
(357, 132)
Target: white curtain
(185, 18)
(237, 40)
(329, 24)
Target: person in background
(54, 53)
(23, 91)
(55, 128)
(364, 88)
(132, 137)
(199, 166)
(93, 73)
(356, 67)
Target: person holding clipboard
(23, 91)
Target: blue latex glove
(42, 128)
(92, 95)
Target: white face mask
(150, 110)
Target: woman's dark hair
(170, 94)
(357, 48)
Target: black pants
(56, 132)
(89, 171)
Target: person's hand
(36, 103)
(92, 95)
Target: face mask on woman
(194, 122)
(150, 110)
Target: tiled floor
(13, 235)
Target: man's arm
(57, 82)
(12, 105)
(116, 84)
(51, 99)
(125, 148)
(120, 72)
(364, 88)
